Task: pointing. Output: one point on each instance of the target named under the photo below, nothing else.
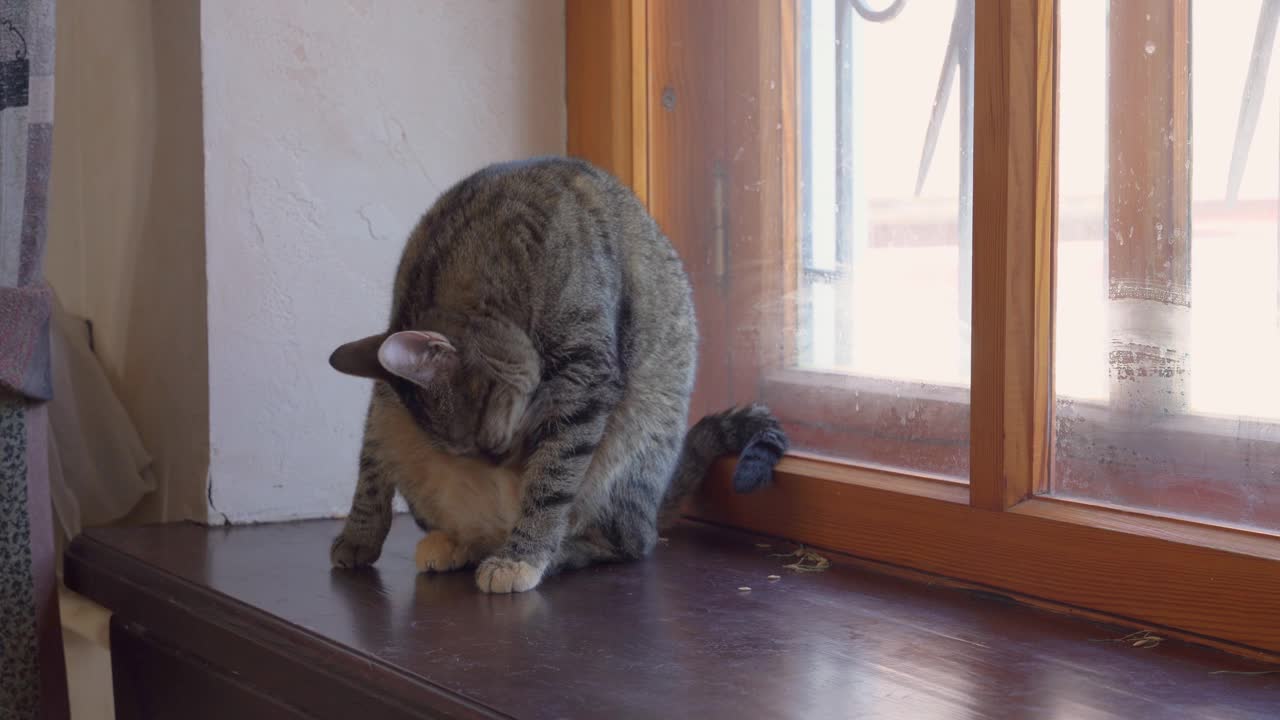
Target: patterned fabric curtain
(32, 675)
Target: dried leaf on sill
(809, 561)
(1140, 639)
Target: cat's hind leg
(622, 535)
(579, 551)
(627, 529)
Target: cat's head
(469, 394)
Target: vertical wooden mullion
(787, 275)
(686, 80)
(721, 125)
(639, 90)
(750, 189)
(758, 153)
(605, 87)
(1013, 223)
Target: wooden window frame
(1210, 583)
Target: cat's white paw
(437, 552)
(503, 575)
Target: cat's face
(460, 403)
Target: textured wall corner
(329, 128)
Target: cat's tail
(752, 433)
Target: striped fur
(533, 384)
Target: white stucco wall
(329, 128)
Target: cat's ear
(419, 357)
(360, 358)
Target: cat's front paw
(437, 552)
(504, 575)
(351, 552)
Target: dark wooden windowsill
(252, 620)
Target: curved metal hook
(877, 16)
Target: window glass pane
(1168, 278)
(883, 296)
(882, 224)
(828, 249)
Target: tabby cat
(533, 386)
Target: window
(914, 335)
(885, 189)
(1168, 328)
